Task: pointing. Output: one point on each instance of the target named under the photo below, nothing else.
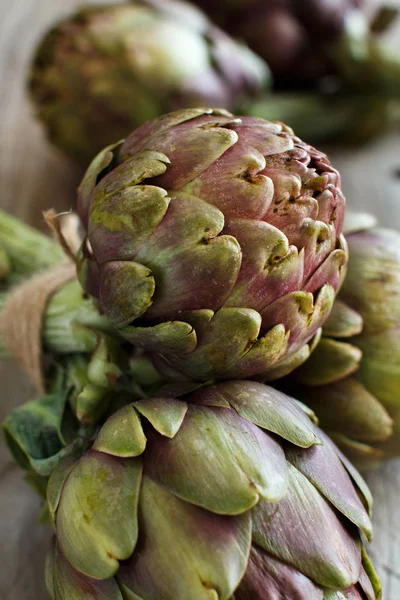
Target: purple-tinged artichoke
(214, 243)
(230, 490)
(106, 70)
(308, 43)
(293, 36)
(352, 379)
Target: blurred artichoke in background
(214, 243)
(335, 79)
(106, 70)
(230, 490)
(299, 39)
(352, 380)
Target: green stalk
(71, 322)
(27, 250)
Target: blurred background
(34, 176)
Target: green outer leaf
(371, 574)
(165, 414)
(185, 551)
(218, 461)
(330, 361)
(97, 513)
(347, 407)
(33, 433)
(122, 434)
(266, 407)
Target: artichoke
(230, 490)
(316, 38)
(214, 243)
(352, 379)
(106, 70)
(305, 29)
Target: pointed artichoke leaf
(270, 266)
(33, 433)
(129, 172)
(127, 217)
(287, 364)
(357, 479)
(333, 269)
(266, 407)
(328, 554)
(263, 354)
(218, 460)
(373, 278)
(330, 361)
(225, 338)
(70, 583)
(142, 134)
(165, 414)
(202, 263)
(324, 469)
(347, 407)
(368, 578)
(97, 166)
(97, 513)
(207, 553)
(343, 322)
(126, 291)
(380, 367)
(171, 337)
(302, 314)
(192, 154)
(268, 577)
(122, 434)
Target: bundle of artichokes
(207, 496)
(213, 247)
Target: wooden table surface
(33, 177)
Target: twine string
(21, 319)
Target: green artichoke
(231, 492)
(353, 377)
(106, 70)
(214, 243)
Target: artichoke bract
(230, 490)
(106, 70)
(213, 242)
(352, 380)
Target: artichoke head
(229, 490)
(214, 243)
